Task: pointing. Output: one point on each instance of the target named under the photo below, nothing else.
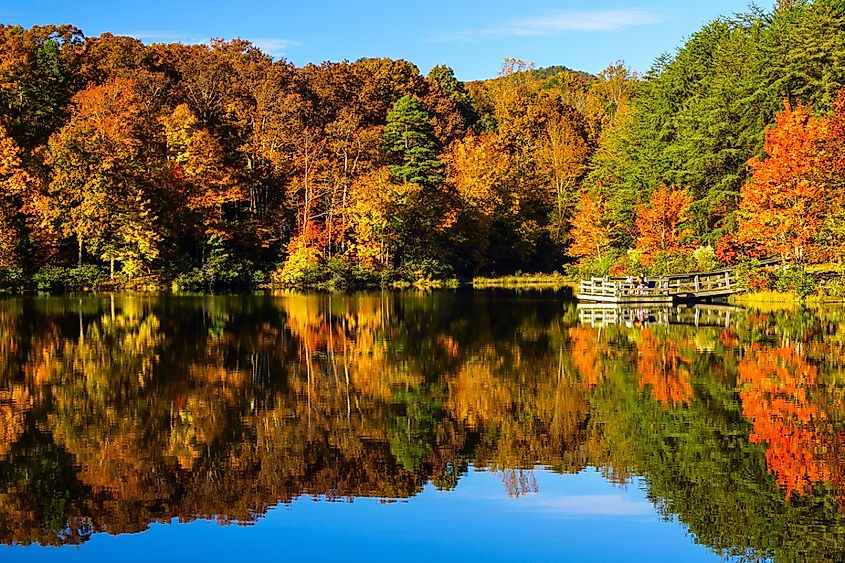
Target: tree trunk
(79, 256)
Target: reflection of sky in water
(572, 518)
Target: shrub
(192, 281)
(259, 278)
(665, 263)
(300, 275)
(348, 275)
(425, 269)
(597, 267)
(750, 276)
(302, 267)
(238, 275)
(221, 271)
(794, 278)
(834, 287)
(704, 259)
(77, 278)
(12, 278)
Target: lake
(495, 426)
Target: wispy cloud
(156, 36)
(274, 46)
(596, 20)
(556, 23)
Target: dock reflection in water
(699, 315)
(119, 412)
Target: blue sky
(470, 36)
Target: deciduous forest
(216, 167)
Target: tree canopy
(140, 159)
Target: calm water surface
(483, 426)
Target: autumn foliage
(208, 165)
(211, 163)
(788, 196)
(660, 224)
(590, 236)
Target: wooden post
(697, 287)
(728, 280)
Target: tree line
(215, 166)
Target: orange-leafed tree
(197, 160)
(15, 187)
(476, 167)
(590, 234)
(561, 152)
(787, 197)
(98, 185)
(660, 224)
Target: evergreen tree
(409, 142)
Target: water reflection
(121, 411)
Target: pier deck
(667, 290)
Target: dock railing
(704, 284)
(691, 286)
(614, 289)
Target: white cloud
(558, 22)
(274, 46)
(595, 20)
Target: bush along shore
(335, 276)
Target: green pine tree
(410, 144)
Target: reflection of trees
(118, 412)
(663, 367)
(587, 355)
(775, 384)
(14, 403)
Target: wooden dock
(667, 290)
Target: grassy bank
(814, 285)
(767, 299)
(554, 280)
